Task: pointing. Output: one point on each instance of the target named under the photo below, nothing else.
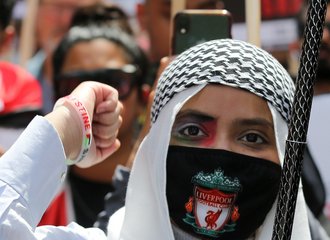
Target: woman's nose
(223, 142)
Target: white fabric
(146, 215)
(318, 140)
(31, 172)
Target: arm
(32, 170)
(101, 102)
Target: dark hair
(134, 54)
(6, 9)
(102, 14)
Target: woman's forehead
(221, 101)
(94, 54)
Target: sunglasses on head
(122, 79)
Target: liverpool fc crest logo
(211, 211)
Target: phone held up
(191, 27)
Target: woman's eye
(192, 131)
(253, 138)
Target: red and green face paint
(194, 128)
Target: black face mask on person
(217, 194)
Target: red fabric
(19, 90)
(56, 214)
(279, 8)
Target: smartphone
(191, 27)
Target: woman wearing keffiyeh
(210, 165)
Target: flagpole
(298, 126)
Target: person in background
(105, 14)
(20, 92)
(154, 18)
(7, 31)
(99, 51)
(52, 22)
(20, 102)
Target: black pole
(298, 126)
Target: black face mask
(217, 194)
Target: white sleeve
(31, 172)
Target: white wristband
(85, 122)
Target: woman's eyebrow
(253, 122)
(201, 116)
(194, 114)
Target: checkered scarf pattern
(230, 62)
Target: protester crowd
(104, 135)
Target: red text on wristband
(85, 122)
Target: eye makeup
(195, 128)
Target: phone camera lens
(182, 23)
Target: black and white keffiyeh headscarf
(232, 63)
(228, 62)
